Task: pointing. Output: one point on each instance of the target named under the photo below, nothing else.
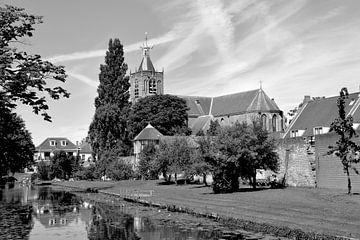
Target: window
(294, 133)
(273, 123)
(83, 157)
(318, 130)
(152, 86)
(52, 143)
(136, 91)
(263, 121)
(63, 143)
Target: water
(57, 214)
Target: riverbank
(314, 212)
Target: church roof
(201, 123)
(148, 133)
(199, 106)
(146, 64)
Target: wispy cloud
(83, 78)
(168, 37)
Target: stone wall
(297, 162)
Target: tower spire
(145, 47)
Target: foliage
(239, 151)
(166, 113)
(173, 156)
(214, 128)
(202, 157)
(147, 167)
(62, 165)
(16, 146)
(43, 170)
(108, 130)
(120, 170)
(261, 154)
(345, 149)
(87, 173)
(23, 76)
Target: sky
(206, 48)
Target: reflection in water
(63, 215)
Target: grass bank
(315, 213)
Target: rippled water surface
(57, 214)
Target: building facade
(46, 149)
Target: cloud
(83, 79)
(168, 37)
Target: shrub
(120, 170)
(43, 171)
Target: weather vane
(145, 47)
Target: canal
(31, 212)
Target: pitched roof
(85, 147)
(321, 113)
(201, 123)
(146, 64)
(45, 145)
(198, 105)
(148, 133)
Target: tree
(16, 146)
(261, 155)
(346, 149)
(202, 157)
(166, 113)
(24, 77)
(108, 130)
(120, 170)
(62, 165)
(213, 128)
(147, 167)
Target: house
(305, 144)
(147, 136)
(47, 148)
(85, 153)
(227, 109)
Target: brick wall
(297, 162)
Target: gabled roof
(85, 147)
(45, 145)
(232, 104)
(201, 123)
(321, 113)
(199, 106)
(148, 133)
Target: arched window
(273, 123)
(152, 86)
(263, 121)
(136, 89)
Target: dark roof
(198, 105)
(321, 113)
(146, 64)
(201, 123)
(148, 133)
(45, 145)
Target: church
(227, 109)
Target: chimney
(307, 99)
(77, 143)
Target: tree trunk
(204, 179)
(165, 176)
(254, 180)
(176, 179)
(349, 181)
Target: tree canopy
(166, 113)
(24, 77)
(108, 130)
(16, 146)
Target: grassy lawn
(317, 210)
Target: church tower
(146, 80)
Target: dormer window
(294, 133)
(63, 143)
(52, 143)
(318, 130)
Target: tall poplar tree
(107, 131)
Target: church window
(152, 86)
(263, 121)
(136, 90)
(274, 123)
